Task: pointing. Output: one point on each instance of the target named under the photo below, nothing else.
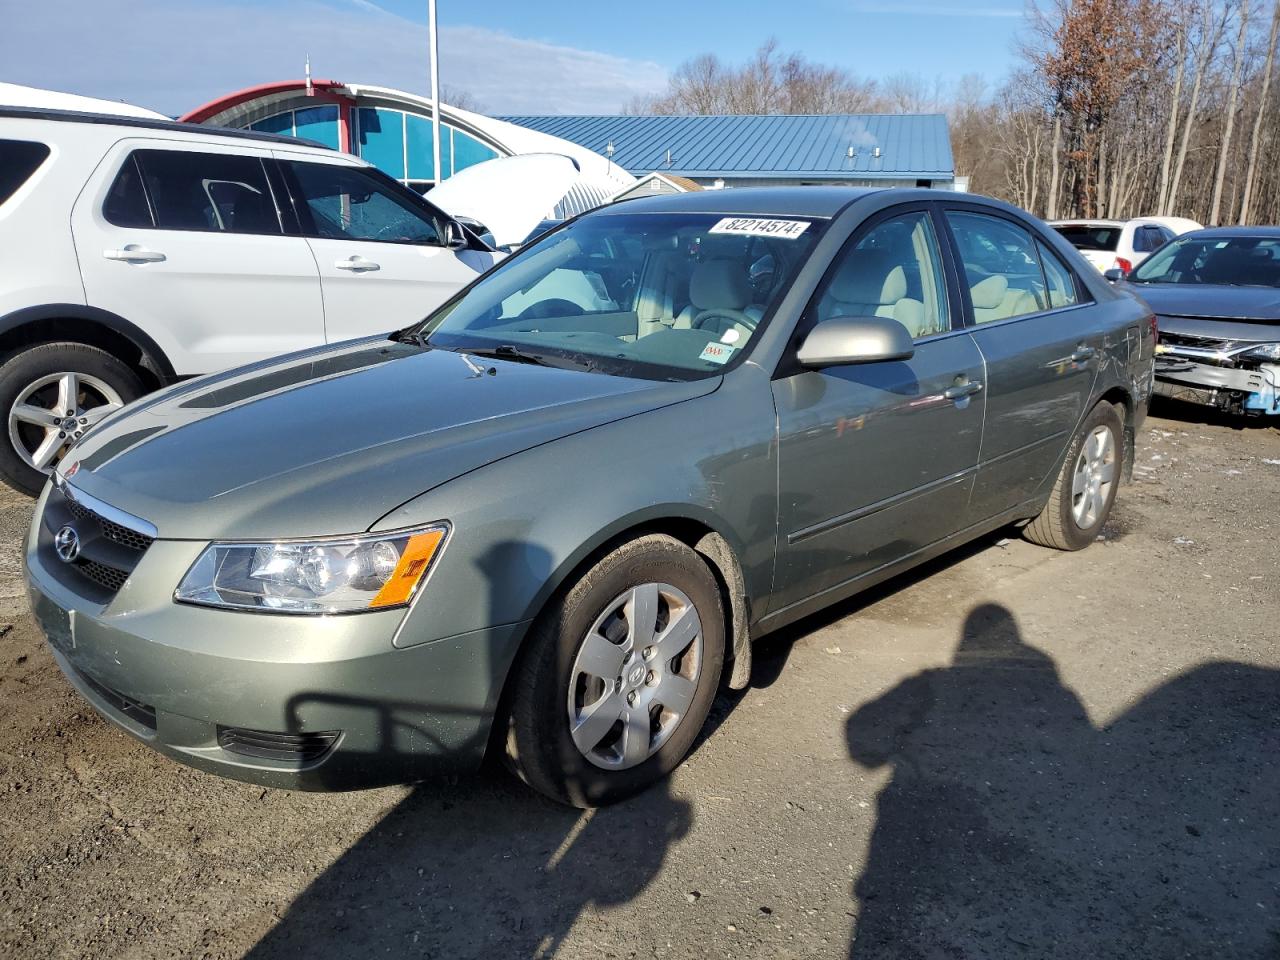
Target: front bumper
(351, 709)
(1228, 388)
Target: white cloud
(173, 55)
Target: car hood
(510, 195)
(1246, 304)
(329, 441)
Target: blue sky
(550, 56)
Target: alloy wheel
(1091, 480)
(54, 411)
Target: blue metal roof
(809, 147)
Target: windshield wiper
(410, 335)
(507, 351)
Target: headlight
(1266, 352)
(331, 575)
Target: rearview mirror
(843, 340)
(1114, 274)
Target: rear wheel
(619, 675)
(52, 394)
(1086, 488)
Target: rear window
(19, 159)
(1084, 237)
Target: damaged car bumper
(1234, 377)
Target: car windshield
(650, 295)
(1228, 261)
(1082, 236)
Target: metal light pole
(435, 91)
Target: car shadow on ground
(1196, 414)
(1013, 826)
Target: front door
(381, 252)
(876, 461)
(184, 239)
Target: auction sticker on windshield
(754, 227)
(716, 352)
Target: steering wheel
(724, 313)
(555, 307)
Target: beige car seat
(994, 300)
(872, 283)
(720, 294)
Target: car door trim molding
(825, 526)
(1024, 448)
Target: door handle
(133, 253)
(965, 388)
(357, 265)
(1083, 353)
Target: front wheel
(1086, 487)
(52, 394)
(619, 675)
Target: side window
(216, 192)
(1059, 280)
(1000, 266)
(126, 204)
(19, 159)
(895, 271)
(347, 203)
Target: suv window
(217, 192)
(893, 271)
(350, 203)
(1000, 266)
(19, 159)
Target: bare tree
(1233, 93)
(1255, 142)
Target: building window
(312, 123)
(381, 139)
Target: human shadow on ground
(1012, 826)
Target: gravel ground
(1013, 753)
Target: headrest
(720, 283)
(869, 277)
(989, 293)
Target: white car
(1120, 244)
(140, 251)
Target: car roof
(1261, 233)
(748, 201)
(146, 123)
(1086, 223)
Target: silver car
(551, 532)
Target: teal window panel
(280, 123)
(318, 123)
(421, 166)
(468, 151)
(382, 139)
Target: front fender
(523, 525)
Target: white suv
(138, 252)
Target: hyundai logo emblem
(67, 544)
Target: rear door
(381, 251)
(1042, 341)
(185, 240)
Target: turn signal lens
(409, 571)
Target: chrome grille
(111, 542)
(110, 529)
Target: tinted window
(1240, 261)
(19, 159)
(1000, 266)
(350, 203)
(219, 192)
(1059, 280)
(893, 271)
(1085, 237)
(1147, 239)
(126, 204)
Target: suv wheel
(52, 394)
(619, 675)
(1086, 487)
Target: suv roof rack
(115, 120)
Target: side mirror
(454, 236)
(1114, 274)
(843, 340)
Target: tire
(34, 376)
(1068, 521)
(553, 690)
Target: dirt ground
(1013, 753)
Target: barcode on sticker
(754, 227)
